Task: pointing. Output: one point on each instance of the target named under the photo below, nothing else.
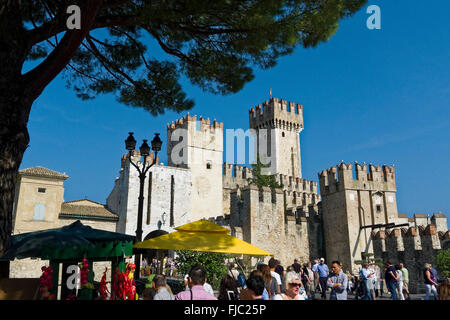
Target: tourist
(399, 283)
(316, 275)
(280, 270)
(444, 290)
(338, 282)
(379, 281)
(373, 280)
(323, 272)
(208, 288)
(144, 266)
(272, 265)
(271, 284)
(405, 276)
(228, 289)
(434, 273)
(154, 265)
(308, 280)
(173, 267)
(430, 283)
(255, 287)
(297, 266)
(196, 280)
(367, 282)
(292, 287)
(245, 293)
(350, 282)
(358, 289)
(232, 272)
(390, 276)
(160, 286)
(148, 293)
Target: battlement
(236, 171)
(136, 157)
(297, 184)
(187, 121)
(413, 246)
(276, 113)
(235, 174)
(420, 231)
(340, 177)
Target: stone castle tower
(350, 202)
(280, 141)
(266, 217)
(197, 145)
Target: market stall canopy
(71, 241)
(204, 236)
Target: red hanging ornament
(46, 283)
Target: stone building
(355, 213)
(357, 207)
(291, 222)
(39, 205)
(167, 197)
(349, 204)
(196, 184)
(198, 147)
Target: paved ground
(386, 296)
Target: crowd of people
(169, 266)
(272, 281)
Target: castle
(355, 213)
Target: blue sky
(375, 96)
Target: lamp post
(144, 150)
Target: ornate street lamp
(130, 144)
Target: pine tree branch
(39, 77)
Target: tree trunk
(15, 107)
(14, 140)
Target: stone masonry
(352, 200)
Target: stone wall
(167, 198)
(258, 216)
(413, 247)
(201, 144)
(27, 196)
(352, 200)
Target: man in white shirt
(272, 265)
(208, 288)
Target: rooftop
(86, 209)
(43, 172)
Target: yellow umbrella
(202, 235)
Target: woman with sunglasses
(292, 287)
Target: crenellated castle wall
(278, 125)
(197, 145)
(300, 194)
(278, 113)
(413, 246)
(258, 216)
(351, 201)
